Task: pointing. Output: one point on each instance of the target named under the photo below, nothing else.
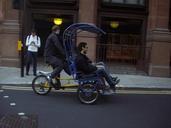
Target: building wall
(158, 34)
(159, 38)
(9, 34)
(88, 14)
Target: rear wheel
(40, 85)
(88, 93)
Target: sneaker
(117, 81)
(113, 86)
(55, 85)
(114, 78)
(57, 82)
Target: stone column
(88, 14)
(159, 37)
(1, 20)
(1, 10)
(9, 34)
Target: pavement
(11, 76)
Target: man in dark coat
(55, 54)
(84, 64)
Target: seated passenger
(84, 64)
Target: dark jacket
(84, 64)
(54, 47)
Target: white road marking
(12, 104)
(1, 90)
(24, 117)
(21, 113)
(6, 96)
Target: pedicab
(89, 87)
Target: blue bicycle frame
(69, 42)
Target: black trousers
(58, 65)
(31, 58)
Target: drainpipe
(22, 17)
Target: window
(127, 2)
(117, 1)
(136, 2)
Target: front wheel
(88, 93)
(40, 85)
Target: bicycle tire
(88, 94)
(41, 87)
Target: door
(43, 24)
(123, 39)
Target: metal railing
(129, 59)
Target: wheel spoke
(40, 85)
(88, 93)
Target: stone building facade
(151, 16)
(9, 34)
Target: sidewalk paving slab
(11, 76)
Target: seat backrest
(72, 67)
(69, 42)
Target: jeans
(103, 73)
(31, 58)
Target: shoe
(117, 81)
(27, 74)
(113, 84)
(35, 74)
(56, 84)
(114, 78)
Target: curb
(117, 88)
(19, 85)
(143, 89)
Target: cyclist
(55, 54)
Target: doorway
(123, 44)
(43, 24)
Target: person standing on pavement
(54, 53)
(32, 43)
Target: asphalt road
(63, 110)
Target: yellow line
(67, 78)
(69, 85)
(165, 92)
(143, 92)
